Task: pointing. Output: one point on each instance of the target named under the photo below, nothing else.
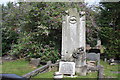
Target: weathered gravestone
(93, 57)
(73, 39)
(35, 62)
(0, 60)
(67, 68)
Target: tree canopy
(108, 21)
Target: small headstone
(98, 44)
(113, 63)
(67, 68)
(35, 62)
(54, 67)
(49, 62)
(105, 59)
(112, 60)
(0, 60)
(93, 56)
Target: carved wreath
(72, 19)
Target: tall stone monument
(74, 39)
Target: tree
(109, 15)
(36, 28)
(109, 24)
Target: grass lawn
(19, 67)
(107, 72)
(45, 75)
(50, 75)
(110, 69)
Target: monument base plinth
(81, 71)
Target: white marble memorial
(73, 35)
(73, 40)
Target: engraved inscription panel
(67, 68)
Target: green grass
(45, 75)
(107, 72)
(90, 75)
(50, 75)
(109, 68)
(19, 67)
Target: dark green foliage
(109, 22)
(8, 37)
(12, 20)
(29, 47)
(36, 29)
(109, 15)
(111, 40)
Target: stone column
(83, 36)
(70, 35)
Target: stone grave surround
(74, 40)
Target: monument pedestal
(81, 71)
(73, 42)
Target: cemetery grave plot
(73, 54)
(21, 67)
(107, 72)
